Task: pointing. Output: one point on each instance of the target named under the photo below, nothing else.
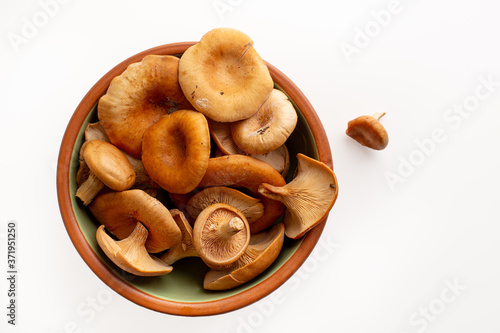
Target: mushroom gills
(185, 248)
(251, 207)
(308, 197)
(262, 251)
(243, 171)
(221, 234)
(130, 254)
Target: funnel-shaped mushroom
(120, 211)
(137, 98)
(176, 150)
(186, 247)
(368, 131)
(224, 77)
(268, 128)
(130, 253)
(221, 234)
(108, 166)
(308, 197)
(251, 207)
(262, 251)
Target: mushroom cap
(221, 234)
(221, 134)
(368, 131)
(268, 128)
(130, 253)
(247, 172)
(186, 247)
(309, 197)
(261, 252)
(109, 164)
(120, 211)
(95, 131)
(278, 159)
(176, 150)
(251, 207)
(224, 77)
(137, 98)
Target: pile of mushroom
(209, 130)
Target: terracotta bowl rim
(128, 291)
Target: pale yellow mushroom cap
(223, 76)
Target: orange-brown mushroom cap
(119, 212)
(109, 164)
(368, 131)
(102, 164)
(176, 150)
(224, 77)
(137, 98)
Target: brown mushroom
(94, 131)
(247, 172)
(251, 207)
(120, 211)
(221, 134)
(185, 248)
(224, 77)
(220, 235)
(368, 131)
(139, 97)
(278, 159)
(130, 253)
(267, 129)
(176, 150)
(261, 252)
(108, 166)
(308, 197)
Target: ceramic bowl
(181, 292)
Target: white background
(418, 253)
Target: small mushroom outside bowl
(181, 291)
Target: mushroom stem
(378, 115)
(138, 237)
(231, 227)
(89, 188)
(130, 254)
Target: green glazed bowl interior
(181, 291)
